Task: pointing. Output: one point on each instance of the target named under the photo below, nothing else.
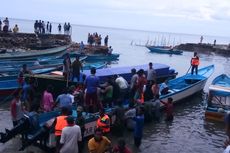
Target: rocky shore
(205, 48)
(32, 41)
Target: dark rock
(205, 48)
(31, 41)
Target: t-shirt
(70, 137)
(151, 74)
(76, 66)
(227, 150)
(123, 84)
(133, 81)
(47, 101)
(65, 100)
(91, 82)
(98, 147)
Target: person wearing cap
(70, 137)
(103, 121)
(76, 67)
(80, 121)
(66, 66)
(227, 128)
(24, 70)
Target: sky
(202, 17)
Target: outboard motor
(20, 128)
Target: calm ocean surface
(189, 132)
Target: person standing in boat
(66, 66)
(0, 25)
(141, 82)
(82, 47)
(110, 50)
(76, 67)
(15, 29)
(64, 100)
(168, 109)
(133, 84)
(16, 108)
(22, 74)
(151, 74)
(195, 61)
(91, 85)
(50, 28)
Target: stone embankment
(205, 48)
(31, 41)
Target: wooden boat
(181, 87)
(97, 57)
(163, 50)
(218, 99)
(163, 72)
(34, 54)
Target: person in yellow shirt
(15, 29)
(99, 143)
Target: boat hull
(165, 50)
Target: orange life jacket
(60, 124)
(195, 61)
(101, 123)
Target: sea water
(189, 132)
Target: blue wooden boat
(163, 72)
(163, 50)
(180, 88)
(218, 99)
(31, 55)
(97, 57)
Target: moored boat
(218, 99)
(33, 54)
(163, 50)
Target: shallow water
(189, 132)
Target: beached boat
(180, 88)
(218, 99)
(33, 54)
(163, 50)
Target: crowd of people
(93, 97)
(40, 27)
(5, 26)
(95, 39)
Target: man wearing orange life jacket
(103, 122)
(59, 123)
(195, 62)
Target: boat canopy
(219, 90)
